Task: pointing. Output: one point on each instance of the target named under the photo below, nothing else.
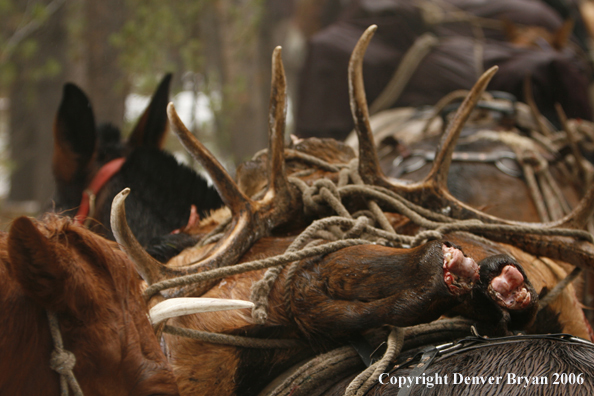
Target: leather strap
(429, 354)
(87, 204)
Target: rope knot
(259, 314)
(323, 191)
(62, 361)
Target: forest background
(219, 52)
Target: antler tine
(278, 182)
(150, 269)
(223, 182)
(250, 219)
(441, 166)
(433, 190)
(244, 228)
(369, 167)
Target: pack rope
(324, 195)
(332, 233)
(62, 361)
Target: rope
(61, 360)
(310, 159)
(319, 372)
(309, 376)
(558, 289)
(324, 195)
(366, 379)
(239, 341)
(372, 205)
(224, 272)
(408, 65)
(546, 193)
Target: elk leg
(369, 285)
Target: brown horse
(94, 293)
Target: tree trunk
(85, 57)
(242, 122)
(33, 103)
(105, 80)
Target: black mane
(162, 192)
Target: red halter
(87, 204)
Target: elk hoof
(459, 272)
(508, 289)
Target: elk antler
(432, 192)
(369, 167)
(438, 175)
(150, 269)
(250, 219)
(230, 194)
(277, 178)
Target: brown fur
(485, 187)
(96, 294)
(334, 298)
(208, 369)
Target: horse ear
(562, 35)
(36, 264)
(74, 135)
(151, 129)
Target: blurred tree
(112, 47)
(43, 44)
(33, 52)
(106, 81)
(219, 39)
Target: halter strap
(62, 361)
(87, 204)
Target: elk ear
(36, 264)
(562, 35)
(151, 129)
(74, 135)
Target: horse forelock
(110, 145)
